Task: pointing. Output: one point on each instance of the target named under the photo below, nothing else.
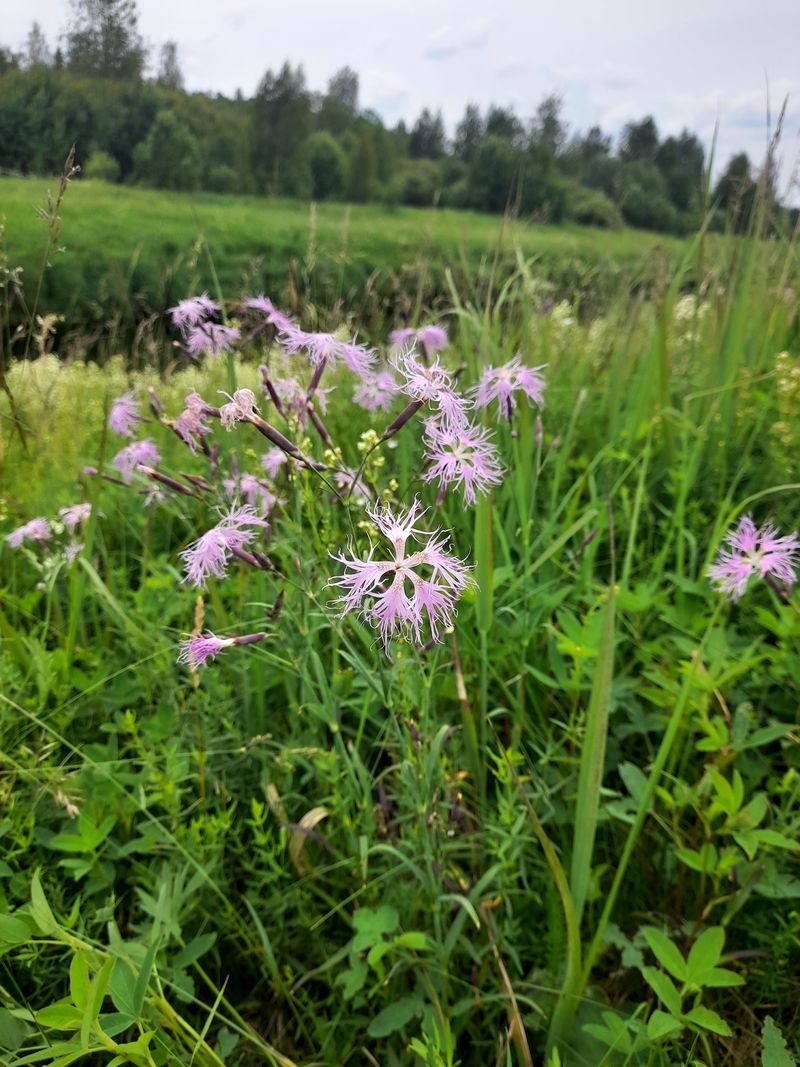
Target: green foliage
(328, 166)
(170, 156)
(101, 166)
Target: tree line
(288, 140)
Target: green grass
(130, 252)
(564, 834)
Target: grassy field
(130, 252)
(564, 834)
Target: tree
(37, 51)
(328, 166)
(469, 134)
(502, 122)
(281, 122)
(549, 130)
(169, 158)
(494, 175)
(426, 140)
(680, 160)
(736, 191)
(169, 71)
(642, 197)
(343, 88)
(639, 141)
(103, 39)
(361, 167)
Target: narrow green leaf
(143, 979)
(663, 988)
(40, 909)
(593, 755)
(79, 980)
(95, 995)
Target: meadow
(550, 820)
(368, 259)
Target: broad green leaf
(774, 1052)
(121, 987)
(720, 978)
(415, 939)
(352, 980)
(394, 1017)
(12, 1031)
(660, 1025)
(704, 953)
(79, 980)
(59, 1016)
(707, 1019)
(665, 952)
(13, 930)
(777, 840)
(194, 950)
(663, 988)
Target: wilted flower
(75, 515)
(376, 391)
(294, 398)
(190, 424)
(326, 346)
(72, 551)
(35, 530)
(754, 551)
(211, 337)
(129, 458)
(433, 385)
(192, 311)
(209, 554)
(397, 595)
(432, 338)
(500, 384)
(276, 318)
(124, 415)
(242, 406)
(465, 457)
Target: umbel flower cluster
(399, 572)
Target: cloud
(447, 42)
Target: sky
(689, 63)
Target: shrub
(102, 166)
(590, 207)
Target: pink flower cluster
(326, 348)
(466, 458)
(37, 530)
(123, 418)
(501, 383)
(417, 585)
(135, 455)
(432, 384)
(432, 338)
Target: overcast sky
(688, 62)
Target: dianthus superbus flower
(326, 347)
(500, 384)
(194, 651)
(376, 391)
(432, 385)
(35, 530)
(75, 515)
(418, 585)
(273, 315)
(133, 455)
(466, 458)
(124, 415)
(192, 311)
(754, 551)
(432, 338)
(241, 408)
(211, 337)
(190, 425)
(254, 492)
(209, 554)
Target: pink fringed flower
(274, 317)
(255, 493)
(466, 458)
(433, 385)
(241, 407)
(124, 415)
(754, 551)
(36, 530)
(134, 455)
(194, 651)
(209, 554)
(211, 337)
(190, 424)
(294, 398)
(376, 391)
(325, 346)
(273, 460)
(500, 384)
(432, 338)
(76, 514)
(192, 311)
(397, 595)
